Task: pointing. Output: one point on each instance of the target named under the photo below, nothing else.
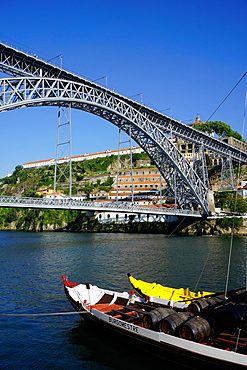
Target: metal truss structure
(122, 164)
(227, 178)
(200, 165)
(32, 91)
(149, 128)
(63, 171)
(117, 207)
(16, 62)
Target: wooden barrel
(216, 300)
(152, 318)
(235, 293)
(197, 329)
(201, 304)
(170, 324)
(234, 315)
(197, 306)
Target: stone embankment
(76, 221)
(217, 226)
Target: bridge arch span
(181, 179)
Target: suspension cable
(227, 96)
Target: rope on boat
(239, 330)
(195, 288)
(44, 314)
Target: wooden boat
(144, 289)
(209, 331)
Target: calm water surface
(31, 268)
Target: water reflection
(104, 351)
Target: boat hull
(132, 336)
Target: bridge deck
(69, 203)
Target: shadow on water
(104, 350)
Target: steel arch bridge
(42, 84)
(33, 91)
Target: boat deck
(230, 340)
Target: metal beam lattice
(227, 176)
(124, 162)
(70, 203)
(63, 171)
(17, 62)
(25, 92)
(200, 164)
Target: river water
(31, 268)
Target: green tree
(88, 188)
(231, 200)
(11, 216)
(31, 194)
(239, 205)
(17, 170)
(226, 222)
(205, 127)
(237, 135)
(220, 128)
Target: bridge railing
(65, 69)
(70, 203)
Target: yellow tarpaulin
(157, 290)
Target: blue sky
(180, 55)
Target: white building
(78, 158)
(124, 217)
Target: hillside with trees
(89, 175)
(95, 175)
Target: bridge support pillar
(63, 164)
(211, 204)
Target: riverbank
(217, 226)
(77, 221)
(220, 227)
